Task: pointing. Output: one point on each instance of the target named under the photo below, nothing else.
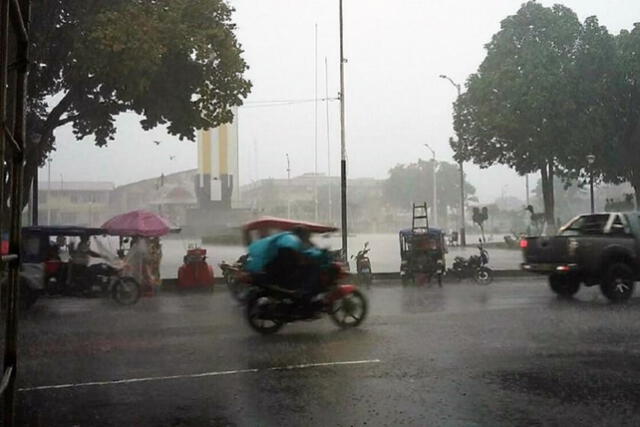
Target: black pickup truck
(598, 249)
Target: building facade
(296, 198)
(74, 202)
(169, 195)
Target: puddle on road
(573, 384)
(452, 299)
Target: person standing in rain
(80, 258)
(138, 261)
(155, 259)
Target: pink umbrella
(137, 223)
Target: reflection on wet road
(504, 354)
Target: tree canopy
(620, 157)
(408, 183)
(516, 110)
(550, 91)
(173, 62)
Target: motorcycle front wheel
(256, 316)
(483, 276)
(350, 310)
(126, 291)
(236, 289)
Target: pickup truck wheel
(618, 283)
(564, 285)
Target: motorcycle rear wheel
(256, 322)
(350, 310)
(365, 279)
(483, 276)
(126, 291)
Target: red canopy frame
(281, 224)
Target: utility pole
(315, 101)
(34, 201)
(343, 149)
(591, 159)
(463, 233)
(288, 187)
(526, 183)
(434, 217)
(326, 85)
(49, 191)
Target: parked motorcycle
(474, 267)
(363, 266)
(233, 277)
(98, 280)
(270, 307)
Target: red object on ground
(138, 223)
(195, 272)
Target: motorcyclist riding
(290, 260)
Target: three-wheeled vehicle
(142, 229)
(44, 272)
(422, 254)
(269, 306)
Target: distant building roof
(174, 195)
(309, 179)
(156, 179)
(76, 185)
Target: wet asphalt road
(506, 354)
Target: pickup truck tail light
(524, 243)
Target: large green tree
(619, 158)
(173, 62)
(519, 108)
(408, 183)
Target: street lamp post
(49, 190)
(288, 187)
(435, 195)
(343, 149)
(591, 158)
(463, 234)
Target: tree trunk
(551, 209)
(635, 183)
(634, 157)
(37, 150)
(547, 174)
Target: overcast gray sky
(395, 101)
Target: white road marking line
(200, 375)
(318, 365)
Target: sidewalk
(499, 259)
